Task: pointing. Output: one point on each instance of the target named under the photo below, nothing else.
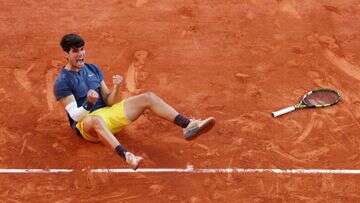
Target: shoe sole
(137, 166)
(207, 125)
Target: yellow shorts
(113, 116)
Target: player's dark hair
(71, 41)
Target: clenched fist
(117, 79)
(92, 96)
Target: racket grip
(283, 111)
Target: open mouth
(80, 61)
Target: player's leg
(135, 106)
(94, 128)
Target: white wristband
(76, 113)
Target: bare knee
(150, 98)
(98, 124)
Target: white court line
(19, 170)
(186, 170)
(229, 170)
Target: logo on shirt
(91, 74)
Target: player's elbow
(77, 114)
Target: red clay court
(235, 60)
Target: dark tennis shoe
(197, 127)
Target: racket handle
(283, 111)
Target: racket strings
(321, 98)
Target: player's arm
(79, 113)
(112, 96)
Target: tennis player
(95, 112)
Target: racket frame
(302, 105)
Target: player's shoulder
(92, 66)
(62, 76)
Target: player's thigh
(134, 106)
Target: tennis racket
(314, 99)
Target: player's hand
(117, 79)
(92, 96)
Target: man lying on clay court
(96, 112)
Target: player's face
(76, 57)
